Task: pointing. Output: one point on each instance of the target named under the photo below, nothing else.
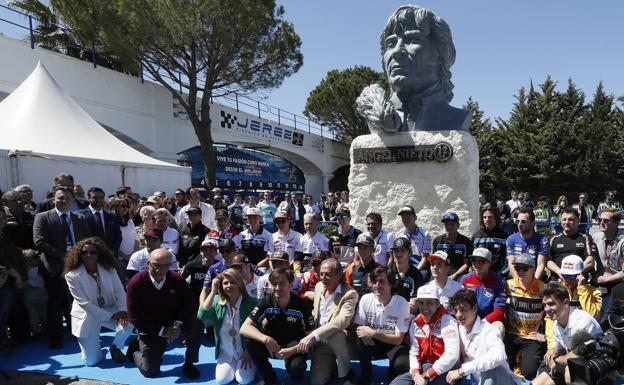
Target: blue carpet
(36, 357)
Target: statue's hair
(409, 17)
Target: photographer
(568, 321)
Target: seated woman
(228, 310)
(99, 299)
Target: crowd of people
(267, 282)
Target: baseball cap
(222, 213)
(209, 242)
(227, 243)
(239, 260)
(450, 217)
(481, 252)
(280, 256)
(427, 292)
(406, 210)
(152, 199)
(571, 265)
(253, 211)
(401, 243)
(281, 215)
(216, 189)
(525, 259)
(439, 255)
(365, 240)
(154, 233)
(193, 210)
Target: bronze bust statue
(417, 54)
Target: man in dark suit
(55, 232)
(67, 181)
(102, 223)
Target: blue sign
(242, 168)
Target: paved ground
(30, 378)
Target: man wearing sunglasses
(383, 239)
(342, 240)
(527, 240)
(610, 244)
(524, 316)
(572, 242)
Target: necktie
(69, 242)
(100, 224)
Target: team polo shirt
(491, 297)
(536, 245)
(445, 293)
(284, 325)
(458, 251)
(383, 243)
(409, 282)
(495, 241)
(265, 289)
(357, 277)
(525, 310)
(390, 319)
(578, 320)
(309, 244)
(255, 246)
(562, 245)
(290, 243)
(420, 240)
(336, 238)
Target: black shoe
(116, 354)
(56, 344)
(133, 346)
(348, 379)
(190, 370)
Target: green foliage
(332, 102)
(554, 142)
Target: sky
(501, 45)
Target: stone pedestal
(383, 181)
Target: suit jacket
(48, 204)
(341, 311)
(112, 230)
(50, 240)
(87, 316)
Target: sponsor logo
(261, 129)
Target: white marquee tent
(44, 132)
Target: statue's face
(410, 61)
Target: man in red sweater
(160, 305)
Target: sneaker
(190, 370)
(133, 346)
(116, 354)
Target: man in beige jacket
(334, 307)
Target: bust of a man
(417, 54)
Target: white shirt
(390, 319)
(512, 204)
(317, 241)
(289, 243)
(208, 215)
(138, 261)
(312, 209)
(446, 292)
(171, 240)
(128, 237)
(158, 285)
(325, 305)
(231, 345)
(483, 350)
(383, 243)
(577, 320)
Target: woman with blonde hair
(227, 307)
(99, 299)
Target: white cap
(209, 242)
(439, 255)
(427, 292)
(571, 265)
(253, 211)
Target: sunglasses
(522, 268)
(280, 221)
(87, 252)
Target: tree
(195, 49)
(332, 102)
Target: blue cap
(450, 217)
